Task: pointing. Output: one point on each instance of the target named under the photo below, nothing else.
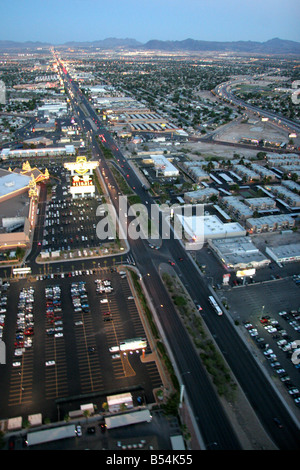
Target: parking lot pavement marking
(127, 367)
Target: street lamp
(145, 275)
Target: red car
(28, 331)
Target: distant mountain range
(273, 46)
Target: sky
(59, 21)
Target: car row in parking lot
(103, 286)
(3, 305)
(25, 323)
(79, 297)
(280, 343)
(54, 312)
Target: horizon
(143, 43)
(78, 21)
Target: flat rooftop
(209, 226)
(16, 207)
(237, 250)
(11, 182)
(286, 251)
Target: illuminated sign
(246, 272)
(85, 180)
(81, 166)
(133, 344)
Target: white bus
(215, 305)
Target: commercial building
(238, 253)
(19, 193)
(53, 108)
(204, 228)
(284, 253)
(37, 141)
(163, 166)
(42, 152)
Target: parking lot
(74, 324)
(70, 225)
(269, 317)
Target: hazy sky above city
(59, 21)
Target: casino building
(19, 193)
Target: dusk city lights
(149, 229)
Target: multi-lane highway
(211, 419)
(224, 91)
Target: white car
(18, 352)
(16, 364)
(50, 363)
(78, 431)
(268, 351)
(253, 332)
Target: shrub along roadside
(208, 352)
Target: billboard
(246, 272)
(133, 344)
